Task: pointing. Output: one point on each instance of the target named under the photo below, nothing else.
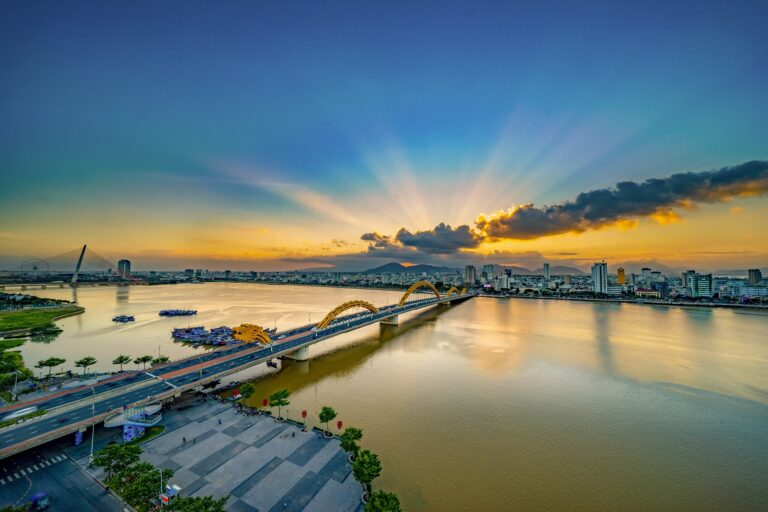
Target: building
(620, 276)
(189, 272)
(227, 274)
(656, 276)
(753, 291)
(685, 280)
(700, 285)
(755, 276)
(645, 272)
(546, 272)
(600, 277)
(124, 269)
(470, 275)
(567, 279)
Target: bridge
(77, 409)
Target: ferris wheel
(34, 266)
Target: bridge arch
(338, 310)
(415, 286)
(250, 333)
(453, 289)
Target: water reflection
(122, 294)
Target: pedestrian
(194, 440)
(184, 440)
(219, 421)
(293, 434)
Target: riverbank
(758, 307)
(19, 323)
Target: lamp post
(93, 428)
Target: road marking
(2, 481)
(22, 472)
(47, 463)
(16, 475)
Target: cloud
(442, 239)
(627, 201)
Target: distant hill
(560, 270)
(742, 272)
(397, 268)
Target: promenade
(260, 463)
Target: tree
(143, 359)
(121, 360)
(114, 458)
(349, 439)
(326, 416)
(279, 399)
(382, 501)
(366, 467)
(247, 390)
(198, 504)
(51, 363)
(160, 360)
(85, 362)
(139, 483)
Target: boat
(178, 312)
(124, 318)
(272, 364)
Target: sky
(281, 135)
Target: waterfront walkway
(261, 464)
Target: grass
(149, 433)
(10, 343)
(33, 318)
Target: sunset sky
(280, 135)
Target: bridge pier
(301, 354)
(392, 320)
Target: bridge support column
(299, 355)
(392, 320)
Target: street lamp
(93, 428)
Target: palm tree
(121, 360)
(143, 360)
(349, 439)
(160, 360)
(85, 363)
(279, 399)
(366, 468)
(326, 416)
(51, 363)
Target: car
(62, 420)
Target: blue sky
(319, 121)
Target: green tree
(139, 484)
(198, 504)
(114, 458)
(366, 467)
(160, 360)
(121, 360)
(143, 360)
(85, 362)
(382, 501)
(247, 390)
(349, 439)
(51, 363)
(279, 399)
(326, 416)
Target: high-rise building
(600, 277)
(620, 276)
(685, 280)
(470, 275)
(656, 276)
(755, 276)
(124, 269)
(567, 279)
(645, 272)
(490, 270)
(546, 272)
(700, 285)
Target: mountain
(560, 270)
(517, 271)
(397, 268)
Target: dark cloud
(627, 200)
(442, 239)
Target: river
(498, 404)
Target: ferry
(124, 318)
(178, 312)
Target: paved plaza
(261, 464)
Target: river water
(499, 404)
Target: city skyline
(348, 136)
